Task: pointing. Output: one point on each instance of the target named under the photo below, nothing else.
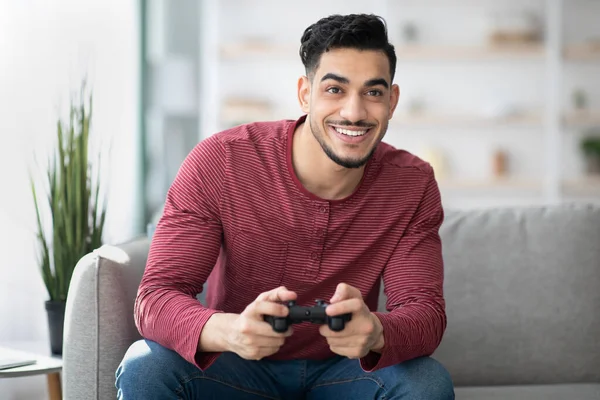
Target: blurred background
(501, 97)
(498, 96)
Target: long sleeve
(184, 249)
(413, 282)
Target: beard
(344, 162)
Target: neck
(317, 172)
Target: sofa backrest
(99, 324)
(522, 288)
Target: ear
(394, 98)
(304, 94)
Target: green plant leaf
(72, 202)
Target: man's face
(349, 103)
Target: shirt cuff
(190, 347)
(205, 360)
(374, 360)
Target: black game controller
(315, 314)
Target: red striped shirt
(237, 215)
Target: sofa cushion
(530, 392)
(522, 288)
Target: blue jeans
(150, 371)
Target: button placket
(318, 242)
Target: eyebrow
(377, 82)
(345, 81)
(335, 77)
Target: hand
(362, 334)
(250, 336)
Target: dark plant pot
(56, 320)
(592, 165)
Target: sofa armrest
(99, 323)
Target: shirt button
(314, 255)
(321, 232)
(323, 209)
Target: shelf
(583, 52)
(582, 186)
(587, 186)
(473, 121)
(491, 184)
(582, 118)
(473, 53)
(241, 50)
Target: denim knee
(145, 361)
(427, 379)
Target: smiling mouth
(351, 132)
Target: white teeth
(349, 132)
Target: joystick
(315, 314)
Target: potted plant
(70, 214)
(590, 146)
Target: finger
(267, 330)
(349, 306)
(280, 294)
(255, 327)
(257, 353)
(344, 291)
(341, 342)
(267, 351)
(359, 342)
(263, 341)
(328, 333)
(349, 352)
(258, 309)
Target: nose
(353, 109)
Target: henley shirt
(237, 218)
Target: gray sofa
(523, 303)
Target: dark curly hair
(356, 31)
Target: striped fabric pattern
(237, 217)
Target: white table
(48, 365)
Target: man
(317, 208)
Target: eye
(375, 92)
(334, 90)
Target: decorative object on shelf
(580, 100)
(588, 50)
(435, 157)
(514, 28)
(500, 163)
(410, 33)
(592, 44)
(590, 146)
(416, 106)
(70, 215)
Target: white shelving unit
(249, 53)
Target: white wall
(46, 48)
